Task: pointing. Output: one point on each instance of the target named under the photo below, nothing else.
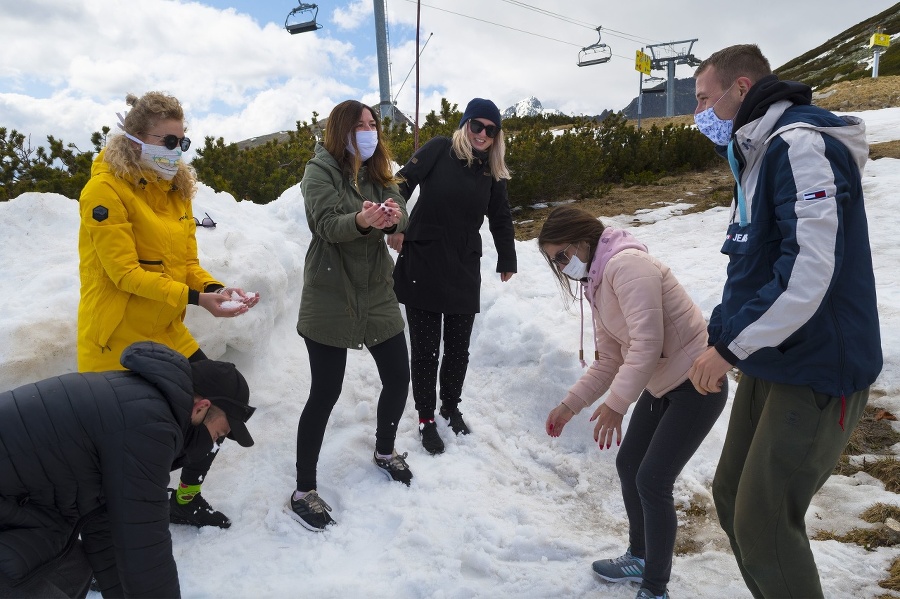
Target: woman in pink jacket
(647, 332)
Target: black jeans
(327, 365)
(425, 344)
(662, 436)
(72, 578)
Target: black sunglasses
(477, 127)
(173, 141)
(561, 259)
(206, 222)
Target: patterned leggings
(425, 342)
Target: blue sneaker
(625, 568)
(648, 594)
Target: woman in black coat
(438, 272)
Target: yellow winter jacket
(138, 258)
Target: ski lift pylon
(302, 19)
(596, 53)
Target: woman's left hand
(608, 422)
(505, 276)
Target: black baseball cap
(226, 388)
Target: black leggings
(195, 473)
(662, 436)
(425, 344)
(327, 365)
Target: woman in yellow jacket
(138, 262)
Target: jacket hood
(768, 91)
(167, 370)
(612, 241)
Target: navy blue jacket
(799, 302)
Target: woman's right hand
(557, 419)
(212, 302)
(378, 216)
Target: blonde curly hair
(124, 158)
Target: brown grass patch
(892, 582)
(887, 470)
(880, 512)
(872, 435)
(867, 538)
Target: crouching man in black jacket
(89, 454)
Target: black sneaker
(311, 512)
(457, 424)
(431, 440)
(197, 512)
(395, 467)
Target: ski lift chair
(596, 53)
(302, 19)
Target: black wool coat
(90, 453)
(439, 267)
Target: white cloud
(354, 15)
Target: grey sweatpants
(782, 444)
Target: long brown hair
(565, 225)
(340, 130)
(124, 158)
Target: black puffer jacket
(91, 453)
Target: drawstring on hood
(611, 242)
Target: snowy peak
(528, 107)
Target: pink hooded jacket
(647, 329)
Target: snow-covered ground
(505, 512)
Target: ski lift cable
(552, 39)
(412, 67)
(573, 21)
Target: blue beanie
(479, 108)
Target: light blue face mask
(367, 142)
(717, 130)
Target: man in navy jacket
(798, 315)
(89, 455)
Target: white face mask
(575, 269)
(160, 159)
(717, 130)
(367, 142)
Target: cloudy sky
(67, 65)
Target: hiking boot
(457, 424)
(395, 467)
(645, 593)
(197, 512)
(311, 512)
(431, 440)
(625, 568)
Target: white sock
(298, 495)
(381, 456)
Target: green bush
(578, 162)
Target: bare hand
(395, 241)
(505, 276)
(557, 419)
(608, 422)
(708, 372)
(212, 302)
(250, 299)
(378, 216)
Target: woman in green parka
(352, 201)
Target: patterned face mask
(159, 158)
(717, 130)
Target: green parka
(348, 293)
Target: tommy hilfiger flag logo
(815, 195)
